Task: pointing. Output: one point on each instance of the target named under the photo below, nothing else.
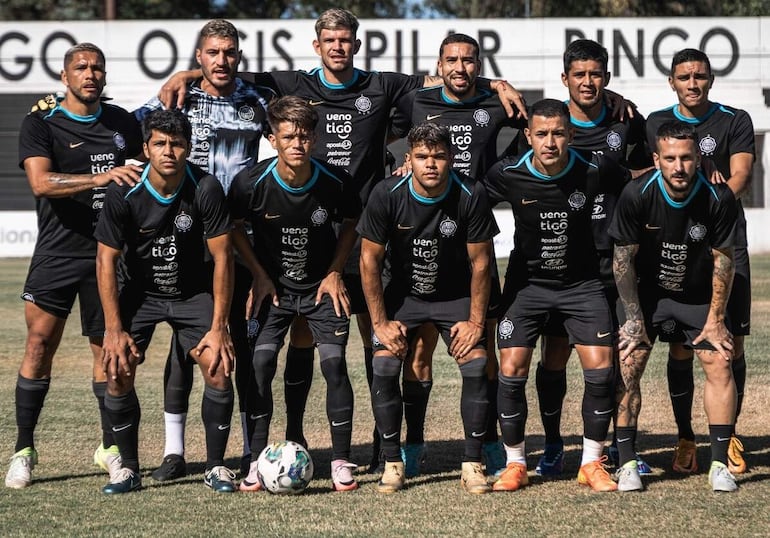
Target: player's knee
(386, 366)
(219, 395)
(600, 382)
(474, 367)
(333, 366)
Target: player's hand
(619, 106)
(403, 170)
(465, 336)
(392, 335)
(120, 354)
(261, 289)
(512, 100)
(129, 174)
(716, 334)
(631, 336)
(173, 92)
(221, 346)
(334, 287)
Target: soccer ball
(284, 468)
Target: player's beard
(86, 99)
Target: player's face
(292, 144)
(336, 49)
(549, 138)
(459, 66)
(678, 162)
(219, 58)
(430, 169)
(585, 81)
(167, 153)
(85, 77)
(691, 81)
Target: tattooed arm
(632, 333)
(714, 331)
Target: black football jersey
(427, 237)
(165, 238)
(76, 145)
(675, 238)
(294, 227)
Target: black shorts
(582, 307)
(413, 312)
(555, 324)
(190, 318)
(739, 304)
(53, 282)
(325, 326)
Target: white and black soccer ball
(284, 468)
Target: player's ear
(317, 47)
(356, 46)
(711, 80)
(656, 159)
(63, 77)
(271, 139)
(671, 82)
(198, 56)
(564, 79)
(146, 151)
(528, 135)
(607, 77)
(240, 57)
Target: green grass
(65, 498)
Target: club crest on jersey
(668, 326)
(481, 117)
(183, 222)
(363, 104)
(448, 227)
(614, 141)
(119, 141)
(698, 232)
(319, 216)
(707, 145)
(246, 113)
(577, 200)
(505, 328)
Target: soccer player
(554, 271)
(354, 108)
(674, 235)
(727, 141)
(70, 154)
(295, 206)
(438, 228)
(228, 117)
(596, 130)
(162, 228)
(475, 117)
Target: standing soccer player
(162, 229)
(674, 235)
(554, 271)
(70, 154)
(228, 117)
(727, 140)
(294, 205)
(439, 228)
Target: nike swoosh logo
(551, 413)
(624, 440)
(402, 227)
(527, 202)
(602, 335)
(117, 429)
(223, 427)
(603, 412)
(257, 417)
(76, 145)
(315, 103)
(389, 435)
(430, 117)
(503, 415)
(651, 227)
(294, 383)
(335, 423)
(723, 439)
(476, 434)
(745, 324)
(340, 333)
(146, 230)
(268, 216)
(680, 394)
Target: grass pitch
(65, 498)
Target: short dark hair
(429, 134)
(676, 129)
(585, 49)
(336, 19)
(550, 108)
(459, 38)
(689, 55)
(83, 47)
(218, 28)
(294, 110)
(170, 122)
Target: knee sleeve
(473, 407)
(512, 408)
(598, 402)
(177, 380)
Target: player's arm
(619, 106)
(50, 184)
(262, 285)
(633, 332)
(714, 331)
(740, 173)
(390, 333)
(117, 344)
(217, 339)
(332, 284)
(174, 90)
(466, 334)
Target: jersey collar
(295, 190)
(590, 123)
(426, 199)
(697, 120)
(700, 182)
(155, 194)
(342, 86)
(77, 117)
(535, 172)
